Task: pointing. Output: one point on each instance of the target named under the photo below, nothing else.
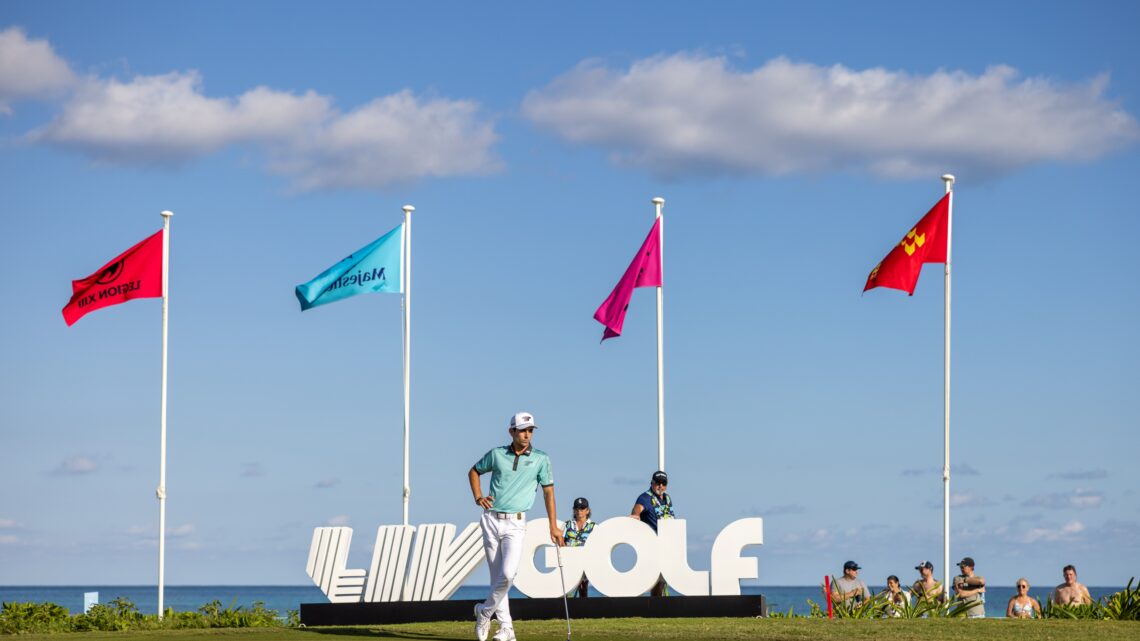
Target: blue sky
(793, 143)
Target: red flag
(925, 243)
(644, 271)
(135, 273)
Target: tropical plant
(790, 614)
(1123, 605)
(117, 614)
(121, 614)
(33, 617)
(231, 617)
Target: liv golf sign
(430, 562)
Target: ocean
(289, 597)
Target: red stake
(827, 594)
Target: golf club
(565, 603)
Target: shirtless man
(926, 588)
(1070, 592)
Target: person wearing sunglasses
(849, 590)
(652, 506)
(1021, 605)
(576, 531)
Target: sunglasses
(1023, 586)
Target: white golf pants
(502, 543)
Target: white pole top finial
(948, 178)
(659, 201)
(409, 209)
(166, 213)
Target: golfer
(517, 469)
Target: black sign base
(313, 614)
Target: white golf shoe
(482, 623)
(505, 634)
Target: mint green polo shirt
(514, 479)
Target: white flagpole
(407, 275)
(659, 203)
(161, 491)
(949, 180)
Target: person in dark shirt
(651, 506)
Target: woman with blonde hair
(1021, 605)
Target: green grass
(653, 629)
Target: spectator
(926, 588)
(1070, 592)
(849, 589)
(969, 588)
(653, 505)
(895, 596)
(1021, 605)
(576, 531)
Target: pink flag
(644, 271)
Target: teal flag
(376, 267)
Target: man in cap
(850, 589)
(651, 506)
(517, 471)
(926, 587)
(576, 531)
(970, 588)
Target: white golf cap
(522, 420)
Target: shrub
(33, 617)
(121, 614)
(1123, 605)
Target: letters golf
(440, 561)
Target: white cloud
(76, 465)
(339, 520)
(968, 499)
(8, 524)
(819, 537)
(180, 530)
(168, 119)
(963, 499)
(1064, 533)
(150, 532)
(29, 69)
(8, 539)
(397, 138)
(693, 114)
(1078, 499)
(964, 469)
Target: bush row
(121, 614)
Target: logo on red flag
(924, 243)
(136, 273)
